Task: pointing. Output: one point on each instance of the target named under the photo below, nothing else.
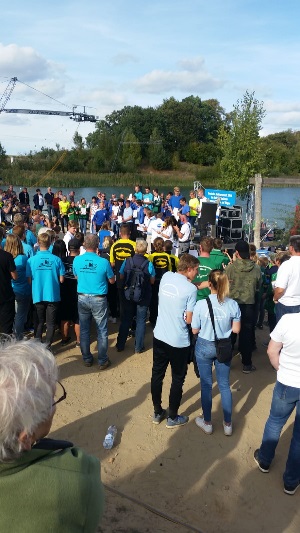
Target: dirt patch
(208, 482)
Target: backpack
(135, 284)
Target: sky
(106, 54)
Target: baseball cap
(74, 244)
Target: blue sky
(106, 54)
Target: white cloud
(191, 77)
(25, 63)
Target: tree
(240, 146)
(3, 160)
(131, 152)
(158, 157)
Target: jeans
(82, 225)
(50, 211)
(92, 306)
(22, 303)
(281, 310)
(140, 312)
(285, 400)
(205, 356)
(46, 311)
(163, 354)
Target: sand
(208, 482)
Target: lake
(277, 203)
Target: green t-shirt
(206, 265)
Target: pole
(257, 212)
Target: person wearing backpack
(139, 275)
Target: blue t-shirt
(185, 209)
(148, 196)
(44, 269)
(27, 249)
(176, 296)
(21, 285)
(224, 314)
(92, 273)
(175, 201)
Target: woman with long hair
(60, 249)
(21, 287)
(227, 317)
(167, 232)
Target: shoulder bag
(223, 346)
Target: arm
(273, 352)
(14, 275)
(112, 280)
(61, 279)
(236, 327)
(195, 331)
(278, 292)
(189, 316)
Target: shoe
(88, 363)
(247, 369)
(157, 419)
(112, 320)
(119, 349)
(77, 345)
(105, 365)
(239, 355)
(66, 341)
(262, 467)
(131, 333)
(227, 430)
(141, 351)
(291, 490)
(207, 428)
(180, 420)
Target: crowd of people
(131, 261)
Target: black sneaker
(262, 467)
(291, 490)
(247, 369)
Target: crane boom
(78, 117)
(6, 95)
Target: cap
(242, 246)
(74, 244)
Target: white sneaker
(227, 430)
(112, 320)
(207, 428)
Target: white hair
(28, 375)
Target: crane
(74, 115)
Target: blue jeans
(82, 225)
(206, 355)
(281, 310)
(50, 211)
(132, 309)
(22, 303)
(285, 400)
(91, 306)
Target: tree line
(195, 131)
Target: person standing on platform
(201, 226)
(49, 196)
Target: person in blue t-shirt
(46, 272)
(174, 201)
(171, 341)
(148, 198)
(93, 275)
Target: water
(277, 203)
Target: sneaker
(207, 428)
(77, 345)
(239, 355)
(105, 365)
(119, 349)
(112, 320)
(66, 341)
(88, 363)
(141, 351)
(262, 467)
(180, 420)
(157, 419)
(247, 369)
(227, 430)
(291, 489)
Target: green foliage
(131, 156)
(158, 157)
(3, 161)
(240, 146)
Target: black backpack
(135, 283)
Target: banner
(227, 198)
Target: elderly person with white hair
(46, 485)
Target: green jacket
(51, 491)
(244, 280)
(219, 258)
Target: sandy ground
(209, 483)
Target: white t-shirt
(288, 277)
(168, 232)
(287, 332)
(204, 199)
(156, 228)
(185, 230)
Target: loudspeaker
(231, 223)
(231, 212)
(208, 213)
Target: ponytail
(220, 283)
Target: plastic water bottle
(110, 437)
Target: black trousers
(202, 228)
(163, 354)
(46, 312)
(153, 307)
(7, 315)
(246, 335)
